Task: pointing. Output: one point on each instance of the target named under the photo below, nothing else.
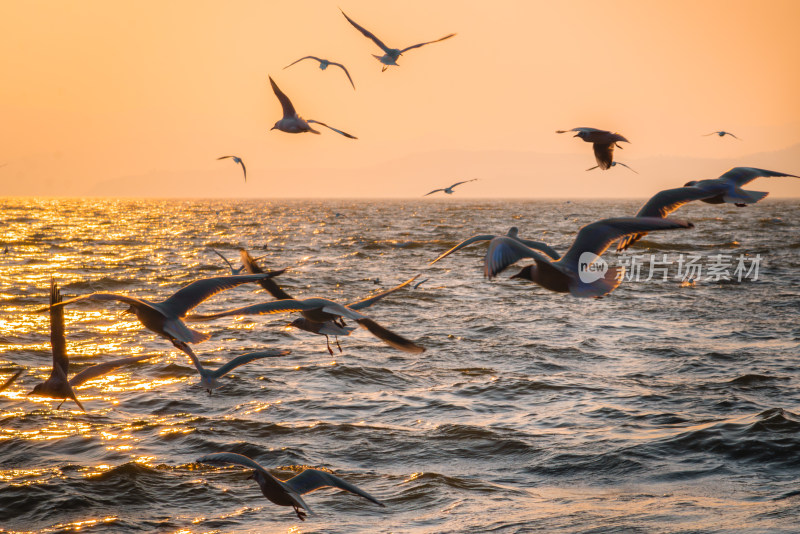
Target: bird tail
(600, 287)
(390, 338)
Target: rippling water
(660, 408)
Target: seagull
(449, 190)
(57, 386)
(721, 133)
(332, 327)
(602, 141)
(237, 159)
(164, 318)
(320, 310)
(613, 164)
(323, 64)
(565, 274)
(210, 379)
(10, 380)
(288, 492)
(512, 234)
(725, 189)
(391, 54)
(294, 123)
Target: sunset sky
(139, 98)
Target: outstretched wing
(743, 175)
(626, 166)
(598, 236)
(427, 43)
(231, 458)
(345, 71)
(233, 271)
(286, 104)
(465, 243)
(505, 251)
(432, 192)
(247, 358)
(661, 205)
(249, 264)
(390, 338)
(332, 128)
(301, 59)
(369, 301)
(366, 33)
(314, 479)
(538, 245)
(198, 291)
(459, 183)
(603, 154)
(266, 308)
(102, 368)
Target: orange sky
(140, 98)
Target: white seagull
(390, 54)
(210, 379)
(288, 492)
(294, 123)
(323, 64)
(319, 310)
(58, 386)
(512, 234)
(603, 143)
(237, 159)
(721, 133)
(726, 189)
(573, 273)
(449, 190)
(164, 318)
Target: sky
(139, 99)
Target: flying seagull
(512, 234)
(570, 272)
(725, 189)
(237, 159)
(210, 379)
(294, 123)
(288, 492)
(449, 190)
(320, 310)
(721, 133)
(613, 163)
(333, 327)
(164, 318)
(57, 386)
(602, 141)
(390, 54)
(323, 64)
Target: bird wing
(728, 133)
(712, 133)
(345, 71)
(11, 380)
(459, 183)
(581, 129)
(314, 479)
(465, 243)
(427, 43)
(301, 59)
(369, 301)
(223, 157)
(390, 338)
(662, 204)
(233, 271)
(57, 339)
(366, 33)
(247, 358)
(603, 154)
(505, 251)
(244, 169)
(193, 294)
(99, 296)
(596, 237)
(286, 104)
(102, 368)
(332, 128)
(231, 458)
(744, 175)
(432, 192)
(626, 166)
(266, 308)
(538, 245)
(250, 265)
